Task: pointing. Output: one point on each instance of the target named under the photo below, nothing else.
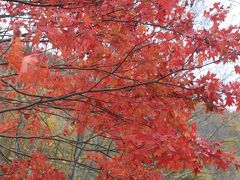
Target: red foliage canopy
(124, 69)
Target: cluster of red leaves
(125, 69)
(37, 168)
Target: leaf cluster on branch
(107, 87)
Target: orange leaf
(15, 55)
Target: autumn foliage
(123, 70)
